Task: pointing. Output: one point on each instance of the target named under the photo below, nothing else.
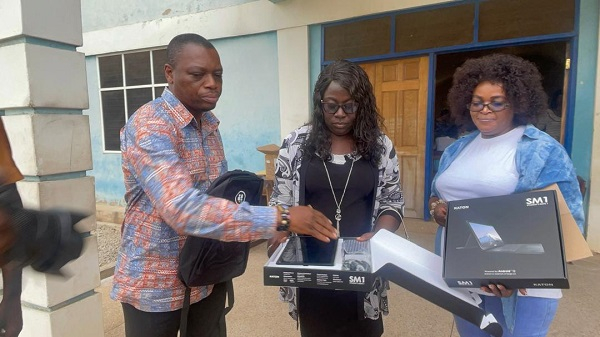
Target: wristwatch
(284, 224)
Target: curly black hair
(520, 79)
(368, 125)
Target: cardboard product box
(576, 248)
(392, 257)
(515, 240)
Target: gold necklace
(338, 211)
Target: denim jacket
(541, 161)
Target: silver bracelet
(434, 205)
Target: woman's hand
(500, 290)
(385, 221)
(440, 213)
(365, 237)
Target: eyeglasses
(332, 108)
(493, 106)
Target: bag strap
(230, 297)
(185, 310)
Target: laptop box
(515, 240)
(391, 257)
(306, 262)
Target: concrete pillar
(294, 78)
(43, 95)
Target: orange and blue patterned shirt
(169, 159)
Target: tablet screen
(306, 250)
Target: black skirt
(335, 313)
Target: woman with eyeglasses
(500, 96)
(341, 164)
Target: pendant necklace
(338, 211)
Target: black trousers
(206, 318)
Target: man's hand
(308, 221)
(7, 236)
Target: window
(128, 81)
(508, 19)
(358, 39)
(449, 26)
(467, 23)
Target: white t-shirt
(484, 168)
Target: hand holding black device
(306, 250)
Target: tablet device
(306, 250)
(490, 241)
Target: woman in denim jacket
(501, 95)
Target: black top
(339, 313)
(357, 204)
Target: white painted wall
(119, 12)
(294, 77)
(20, 17)
(236, 21)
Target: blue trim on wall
(584, 90)
(569, 121)
(322, 45)
(30, 40)
(315, 53)
(56, 176)
(429, 134)
(460, 48)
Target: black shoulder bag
(204, 261)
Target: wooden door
(401, 92)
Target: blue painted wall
(248, 110)
(118, 12)
(249, 106)
(315, 48)
(585, 89)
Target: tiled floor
(258, 313)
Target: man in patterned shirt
(171, 152)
